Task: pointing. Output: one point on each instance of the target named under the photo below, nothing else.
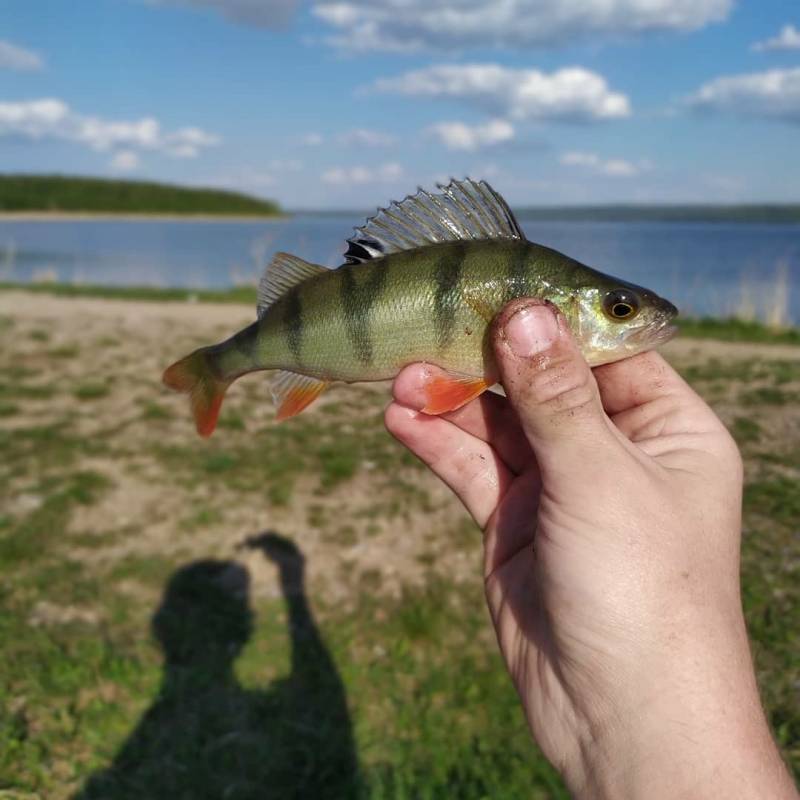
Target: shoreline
(90, 216)
(731, 333)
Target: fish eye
(621, 304)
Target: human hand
(611, 509)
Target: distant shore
(92, 216)
(74, 197)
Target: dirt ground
(97, 364)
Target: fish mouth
(653, 334)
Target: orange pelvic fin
(292, 392)
(448, 392)
(194, 376)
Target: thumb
(551, 387)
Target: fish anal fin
(450, 391)
(293, 392)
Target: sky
(352, 103)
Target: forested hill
(59, 193)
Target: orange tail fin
(193, 376)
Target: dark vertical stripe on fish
(518, 276)
(246, 340)
(447, 276)
(294, 323)
(360, 287)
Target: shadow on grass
(205, 736)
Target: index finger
(636, 381)
(489, 417)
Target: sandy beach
(124, 346)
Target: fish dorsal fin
(283, 272)
(462, 210)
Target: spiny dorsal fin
(283, 272)
(461, 210)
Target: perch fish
(422, 281)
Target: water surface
(705, 268)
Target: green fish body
(423, 281)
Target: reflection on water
(704, 268)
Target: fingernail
(531, 330)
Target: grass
(242, 295)
(155, 645)
(730, 329)
(737, 330)
(93, 390)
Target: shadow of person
(206, 736)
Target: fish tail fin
(194, 375)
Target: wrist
(695, 729)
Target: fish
(421, 281)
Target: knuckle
(565, 386)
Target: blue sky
(351, 103)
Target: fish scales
(350, 316)
(418, 286)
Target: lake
(704, 268)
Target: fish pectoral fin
(293, 392)
(479, 306)
(450, 391)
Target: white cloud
(259, 13)
(460, 136)
(50, 118)
(342, 176)
(572, 93)
(124, 161)
(443, 24)
(364, 137)
(13, 56)
(775, 93)
(787, 39)
(611, 167)
(313, 139)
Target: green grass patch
(767, 396)
(232, 421)
(745, 430)
(27, 540)
(736, 330)
(8, 409)
(242, 295)
(722, 370)
(67, 351)
(275, 457)
(153, 411)
(91, 391)
(781, 371)
(201, 517)
(777, 498)
(18, 390)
